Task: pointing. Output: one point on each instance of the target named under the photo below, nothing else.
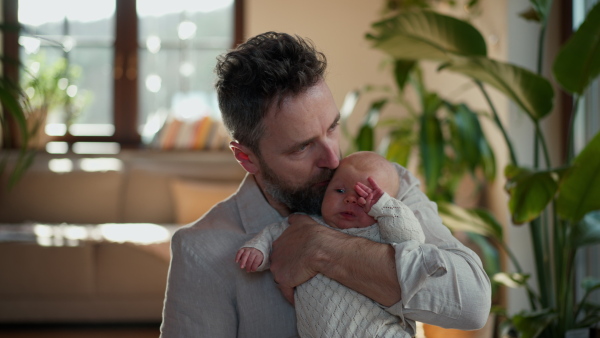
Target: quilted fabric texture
(330, 310)
(325, 308)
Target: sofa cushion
(32, 271)
(73, 197)
(129, 270)
(147, 197)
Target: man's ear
(245, 157)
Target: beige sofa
(58, 261)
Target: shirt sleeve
(264, 240)
(460, 298)
(396, 222)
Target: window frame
(125, 71)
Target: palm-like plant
(15, 108)
(560, 203)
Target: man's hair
(259, 73)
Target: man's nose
(330, 157)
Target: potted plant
(15, 105)
(442, 139)
(51, 89)
(569, 193)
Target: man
(284, 125)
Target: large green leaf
(580, 189)
(531, 324)
(586, 232)
(530, 192)
(531, 92)
(511, 280)
(9, 96)
(488, 160)
(489, 254)
(465, 135)
(469, 142)
(399, 145)
(402, 69)
(578, 62)
(471, 220)
(416, 35)
(365, 140)
(431, 145)
(542, 8)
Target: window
(587, 125)
(115, 70)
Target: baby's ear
(244, 156)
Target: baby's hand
(249, 258)
(368, 196)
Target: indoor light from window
(57, 147)
(187, 69)
(98, 129)
(56, 129)
(68, 43)
(100, 164)
(56, 10)
(31, 45)
(153, 83)
(63, 83)
(153, 44)
(142, 233)
(186, 30)
(72, 90)
(60, 165)
(160, 7)
(96, 148)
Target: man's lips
(321, 184)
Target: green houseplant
(441, 137)
(14, 111)
(47, 86)
(560, 203)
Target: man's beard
(307, 198)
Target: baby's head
(339, 208)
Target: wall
(337, 28)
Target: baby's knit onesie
(324, 307)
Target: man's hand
(368, 195)
(293, 258)
(306, 248)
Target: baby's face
(340, 208)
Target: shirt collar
(255, 211)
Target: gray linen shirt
(208, 295)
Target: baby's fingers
(244, 258)
(239, 254)
(252, 266)
(362, 190)
(373, 183)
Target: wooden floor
(80, 331)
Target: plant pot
(36, 125)
(432, 331)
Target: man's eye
(302, 147)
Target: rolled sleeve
(442, 281)
(415, 264)
(443, 287)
